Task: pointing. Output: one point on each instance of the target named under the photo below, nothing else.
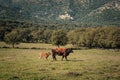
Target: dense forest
(91, 37)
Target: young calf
(44, 55)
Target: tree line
(92, 37)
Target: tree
(46, 36)
(72, 36)
(37, 35)
(88, 37)
(75, 36)
(26, 34)
(113, 37)
(14, 37)
(59, 37)
(2, 33)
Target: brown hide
(64, 52)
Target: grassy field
(91, 64)
(32, 45)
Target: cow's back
(61, 50)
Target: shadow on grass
(73, 74)
(67, 61)
(74, 60)
(14, 78)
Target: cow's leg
(62, 58)
(54, 57)
(66, 58)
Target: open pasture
(91, 64)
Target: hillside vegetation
(82, 12)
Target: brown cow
(64, 52)
(44, 55)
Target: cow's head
(69, 50)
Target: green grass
(91, 64)
(31, 45)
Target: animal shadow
(75, 60)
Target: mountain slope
(79, 11)
(108, 13)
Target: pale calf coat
(44, 55)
